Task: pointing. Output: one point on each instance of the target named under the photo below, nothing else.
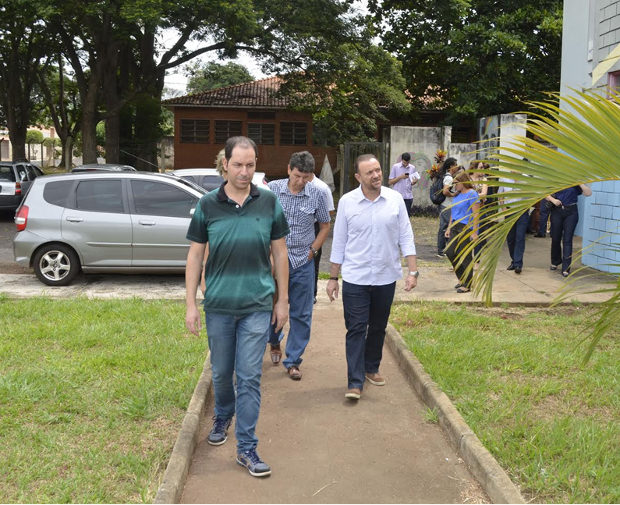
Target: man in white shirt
(326, 190)
(371, 224)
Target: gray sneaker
(218, 432)
(256, 466)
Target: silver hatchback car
(127, 222)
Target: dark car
(15, 179)
(103, 167)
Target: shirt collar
(360, 194)
(284, 189)
(223, 197)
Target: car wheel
(56, 265)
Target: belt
(567, 206)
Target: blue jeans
(563, 224)
(366, 313)
(237, 345)
(516, 240)
(444, 221)
(301, 300)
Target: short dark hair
(449, 163)
(302, 161)
(362, 159)
(240, 141)
(406, 157)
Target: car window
(22, 175)
(211, 182)
(7, 173)
(161, 199)
(100, 196)
(38, 171)
(32, 175)
(56, 192)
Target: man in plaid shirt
(303, 203)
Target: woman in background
(564, 219)
(463, 220)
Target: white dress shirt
(368, 235)
(326, 191)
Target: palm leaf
(586, 132)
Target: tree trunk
(67, 155)
(89, 128)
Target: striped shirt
(238, 271)
(301, 210)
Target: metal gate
(354, 149)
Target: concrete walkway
(326, 449)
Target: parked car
(125, 222)
(209, 179)
(106, 167)
(15, 178)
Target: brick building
(203, 122)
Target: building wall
(272, 159)
(591, 30)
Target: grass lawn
(92, 396)
(516, 377)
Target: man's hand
(557, 202)
(410, 282)
(332, 289)
(192, 320)
(447, 233)
(404, 176)
(474, 236)
(280, 314)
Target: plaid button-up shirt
(301, 210)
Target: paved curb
(172, 485)
(481, 463)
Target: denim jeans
(444, 221)
(237, 345)
(366, 313)
(516, 240)
(563, 224)
(300, 296)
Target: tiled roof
(249, 94)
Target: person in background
(326, 190)
(447, 171)
(303, 204)
(372, 228)
(464, 215)
(403, 177)
(479, 181)
(564, 219)
(516, 235)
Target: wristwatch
(314, 252)
(414, 273)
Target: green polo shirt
(238, 270)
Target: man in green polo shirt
(242, 225)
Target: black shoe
(511, 267)
(540, 235)
(441, 255)
(518, 270)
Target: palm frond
(580, 145)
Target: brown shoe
(294, 373)
(353, 394)
(276, 353)
(375, 378)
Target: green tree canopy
(34, 137)
(211, 75)
(475, 57)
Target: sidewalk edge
(173, 482)
(480, 461)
